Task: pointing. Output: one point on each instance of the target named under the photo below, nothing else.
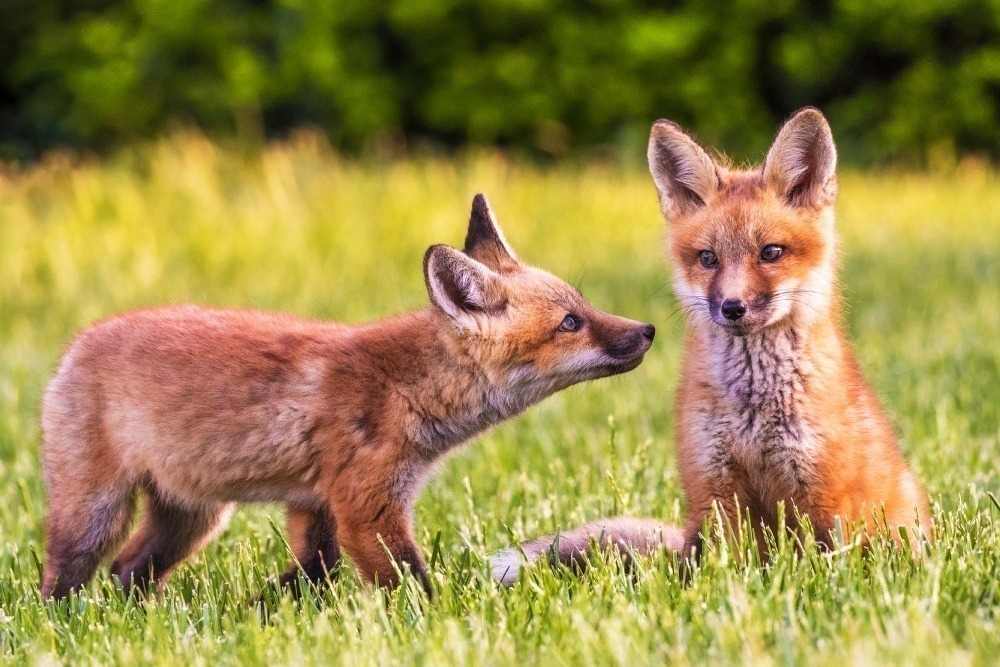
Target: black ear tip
(431, 252)
(479, 203)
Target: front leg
(699, 523)
(380, 543)
(313, 537)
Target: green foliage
(915, 81)
(294, 228)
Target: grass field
(297, 229)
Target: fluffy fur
(771, 407)
(199, 409)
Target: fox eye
(708, 259)
(569, 323)
(771, 253)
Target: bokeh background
(300, 156)
(915, 81)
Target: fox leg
(694, 530)
(83, 528)
(169, 533)
(313, 537)
(378, 546)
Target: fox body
(200, 409)
(771, 406)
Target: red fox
(200, 409)
(771, 406)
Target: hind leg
(313, 537)
(83, 528)
(169, 533)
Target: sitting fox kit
(771, 405)
(200, 409)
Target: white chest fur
(756, 424)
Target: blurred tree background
(900, 81)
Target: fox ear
(802, 163)
(461, 286)
(685, 175)
(484, 241)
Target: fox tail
(628, 535)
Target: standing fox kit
(200, 409)
(771, 406)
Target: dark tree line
(899, 80)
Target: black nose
(648, 332)
(733, 309)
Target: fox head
(750, 248)
(528, 331)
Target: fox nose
(733, 309)
(648, 332)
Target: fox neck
(760, 373)
(453, 396)
(763, 406)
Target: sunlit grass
(297, 229)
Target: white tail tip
(506, 566)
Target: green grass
(297, 229)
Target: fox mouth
(631, 365)
(735, 328)
(753, 321)
(599, 364)
(617, 365)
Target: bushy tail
(627, 535)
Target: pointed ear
(484, 241)
(685, 175)
(461, 286)
(802, 163)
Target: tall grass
(295, 228)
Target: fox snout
(740, 313)
(624, 341)
(638, 339)
(733, 309)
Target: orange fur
(771, 407)
(201, 409)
